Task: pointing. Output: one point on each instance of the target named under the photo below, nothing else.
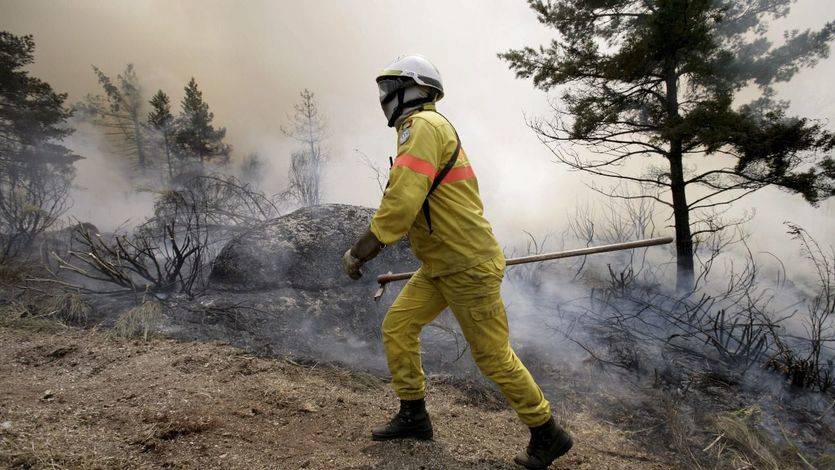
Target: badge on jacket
(404, 135)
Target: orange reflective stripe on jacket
(425, 168)
(415, 164)
(458, 174)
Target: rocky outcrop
(303, 250)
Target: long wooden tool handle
(386, 278)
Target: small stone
(308, 407)
(48, 395)
(6, 425)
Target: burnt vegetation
(740, 320)
(170, 252)
(708, 357)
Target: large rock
(280, 289)
(303, 250)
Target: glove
(364, 250)
(351, 265)
(367, 247)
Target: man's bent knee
(497, 361)
(399, 332)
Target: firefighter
(432, 196)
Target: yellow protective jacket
(461, 237)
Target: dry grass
(744, 445)
(19, 315)
(26, 454)
(12, 273)
(741, 442)
(45, 311)
(69, 307)
(162, 426)
(142, 321)
(680, 428)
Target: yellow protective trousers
(474, 297)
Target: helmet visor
(389, 87)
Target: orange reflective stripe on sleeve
(458, 174)
(425, 168)
(416, 164)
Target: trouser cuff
(411, 396)
(536, 422)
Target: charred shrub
(170, 252)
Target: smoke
(251, 62)
(102, 193)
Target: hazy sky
(252, 58)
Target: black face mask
(389, 86)
(395, 88)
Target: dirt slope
(81, 399)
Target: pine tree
(35, 169)
(657, 79)
(252, 169)
(161, 120)
(196, 136)
(306, 164)
(120, 112)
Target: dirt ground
(83, 399)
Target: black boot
(411, 421)
(548, 441)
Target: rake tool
(393, 277)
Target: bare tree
(629, 216)
(308, 127)
(31, 201)
(223, 202)
(380, 174)
(727, 327)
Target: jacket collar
(426, 107)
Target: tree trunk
(314, 164)
(140, 144)
(168, 156)
(681, 213)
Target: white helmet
(407, 84)
(416, 67)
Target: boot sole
(418, 435)
(560, 452)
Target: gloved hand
(351, 265)
(363, 251)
